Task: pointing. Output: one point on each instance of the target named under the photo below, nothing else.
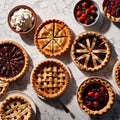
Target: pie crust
(108, 87)
(3, 87)
(90, 51)
(52, 37)
(50, 79)
(15, 108)
(13, 61)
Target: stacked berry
(86, 12)
(113, 7)
(95, 96)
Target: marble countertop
(63, 10)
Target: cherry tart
(95, 96)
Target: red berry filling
(95, 96)
(113, 7)
(86, 12)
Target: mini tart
(3, 87)
(90, 51)
(95, 96)
(13, 61)
(15, 108)
(52, 37)
(112, 10)
(50, 79)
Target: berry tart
(52, 37)
(86, 12)
(15, 108)
(90, 51)
(50, 79)
(111, 9)
(95, 96)
(13, 61)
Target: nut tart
(13, 61)
(95, 96)
(15, 108)
(112, 9)
(90, 51)
(50, 79)
(3, 87)
(52, 37)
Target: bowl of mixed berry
(111, 9)
(95, 96)
(86, 12)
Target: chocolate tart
(13, 61)
(95, 96)
(15, 108)
(52, 37)
(90, 51)
(112, 10)
(50, 79)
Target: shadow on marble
(29, 38)
(117, 24)
(38, 114)
(21, 84)
(106, 71)
(101, 26)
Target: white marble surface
(63, 10)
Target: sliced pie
(3, 87)
(112, 9)
(15, 108)
(50, 79)
(90, 51)
(13, 61)
(52, 37)
(95, 96)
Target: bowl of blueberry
(86, 12)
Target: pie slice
(95, 96)
(46, 35)
(3, 87)
(90, 51)
(50, 79)
(15, 108)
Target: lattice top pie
(50, 79)
(90, 51)
(13, 61)
(52, 37)
(15, 108)
(95, 96)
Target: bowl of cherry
(86, 12)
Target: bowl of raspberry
(86, 12)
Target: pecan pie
(90, 51)
(13, 61)
(50, 79)
(52, 37)
(15, 108)
(3, 87)
(111, 9)
(95, 96)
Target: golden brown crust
(15, 107)
(46, 34)
(90, 51)
(110, 92)
(50, 79)
(117, 75)
(11, 79)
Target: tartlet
(95, 96)
(13, 61)
(15, 108)
(52, 37)
(111, 9)
(28, 29)
(90, 51)
(50, 79)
